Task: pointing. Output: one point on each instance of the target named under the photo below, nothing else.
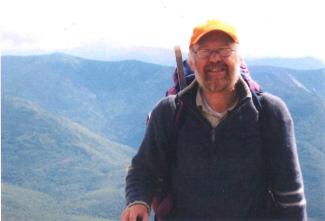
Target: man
(232, 161)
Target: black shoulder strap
(178, 107)
(257, 96)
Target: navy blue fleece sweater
(222, 173)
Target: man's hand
(135, 211)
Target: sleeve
(150, 164)
(285, 172)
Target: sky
(282, 28)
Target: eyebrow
(231, 45)
(210, 49)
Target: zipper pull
(213, 135)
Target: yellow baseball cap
(213, 25)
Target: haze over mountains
(71, 125)
(164, 56)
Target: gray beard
(227, 84)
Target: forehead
(218, 37)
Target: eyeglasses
(206, 53)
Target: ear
(240, 58)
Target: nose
(214, 57)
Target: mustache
(212, 66)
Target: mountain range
(106, 97)
(165, 56)
(57, 165)
(70, 126)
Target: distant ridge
(303, 63)
(165, 56)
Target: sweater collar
(188, 95)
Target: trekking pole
(180, 68)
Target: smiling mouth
(217, 69)
(216, 72)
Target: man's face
(218, 72)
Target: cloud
(275, 28)
(14, 40)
